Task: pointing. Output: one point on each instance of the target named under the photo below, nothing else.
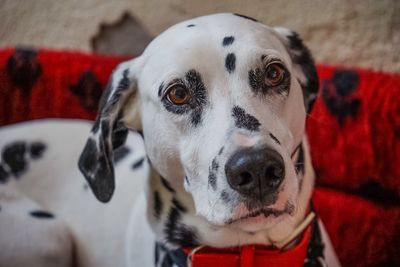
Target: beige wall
(351, 33)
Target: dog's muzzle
(255, 172)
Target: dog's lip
(266, 212)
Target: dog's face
(222, 102)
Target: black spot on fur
(14, 156)
(120, 153)
(157, 251)
(196, 117)
(178, 205)
(138, 164)
(315, 249)
(36, 150)
(214, 164)
(228, 40)
(274, 138)
(166, 184)
(230, 62)
(337, 94)
(245, 17)
(40, 214)
(107, 105)
(302, 56)
(105, 127)
(299, 165)
(190, 25)
(187, 180)
(256, 79)
(176, 233)
(244, 120)
(24, 69)
(221, 151)
(374, 191)
(160, 88)
(212, 180)
(124, 82)
(157, 204)
(119, 134)
(212, 177)
(195, 82)
(226, 198)
(88, 89)
(4, 176)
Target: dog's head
(222, 103)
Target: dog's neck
(172, 215)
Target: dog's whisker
(211, 209)
(324, 123)
(238, 237)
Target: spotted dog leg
(30, 235)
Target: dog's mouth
(263, 212)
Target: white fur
(176, 148)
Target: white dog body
(211, 95)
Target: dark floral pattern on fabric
(337, 94)
(88, 89)
(24, 68)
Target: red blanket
(354, 132)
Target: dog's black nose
(255, 173)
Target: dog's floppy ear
(303, 63)
(109, 131)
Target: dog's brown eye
(178, 95)
(274, 74)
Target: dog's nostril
(274, 173)
(245, 178)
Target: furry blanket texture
(354, 133)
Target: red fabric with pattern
(51, 96)
(363, 153)
(354, 133)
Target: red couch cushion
(354, 133)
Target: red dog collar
(250, 255)
(309, 251)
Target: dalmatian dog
(218, 157)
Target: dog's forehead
(213, 34)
